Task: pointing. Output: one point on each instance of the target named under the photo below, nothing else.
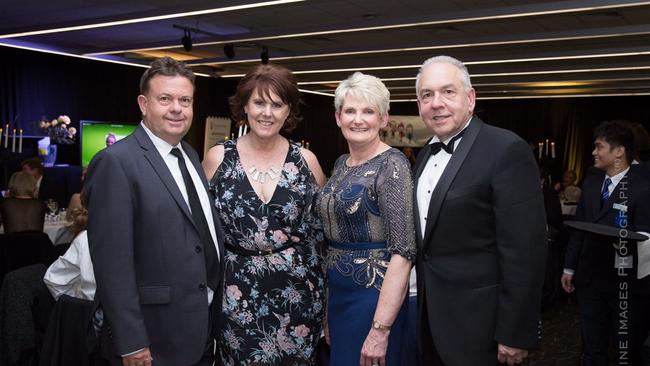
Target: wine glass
(52, 205)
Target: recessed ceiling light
(513, 12)
(467, 63)
(500, 74)
(148, 19)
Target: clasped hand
(511, 355)
(141, 358)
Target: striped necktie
(604, 194)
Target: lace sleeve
(395, 195)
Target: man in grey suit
(154, 239)
(480, 229)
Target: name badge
(620, 207)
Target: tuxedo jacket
(592, 256)
(481, 261)
(147, 254)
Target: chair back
(25, 306)
(69, 333)
(23, 248)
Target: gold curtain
(574, 146)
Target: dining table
(54, 230)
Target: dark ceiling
(513, 48)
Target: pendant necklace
(261, 175)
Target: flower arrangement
(58, 130)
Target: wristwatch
(376, 324)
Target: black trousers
(426, 348)
(610, 314)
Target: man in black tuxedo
(605, 275)
(480, 230)
(153, 235)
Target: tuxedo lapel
(161, 169)
(421, 161)
(448, 176)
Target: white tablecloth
(52, 229)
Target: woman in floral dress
(367, 212)
(264, 186)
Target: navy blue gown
(367, 216)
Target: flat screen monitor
(96, 134)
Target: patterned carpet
(560, 337)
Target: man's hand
(511, 355)
(141, 358)
(567, 283)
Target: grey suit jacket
(147, 254)
(481, 261)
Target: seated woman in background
(75, 199)
(21, 211)
(567, 189)
(72, 274)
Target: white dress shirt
(615, 180)
(430, 176)
(72, 274)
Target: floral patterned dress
(273, 304)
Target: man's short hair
(443, 59)
(165, 66)
(33, 164)
(617, 133)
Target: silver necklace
(261, 175)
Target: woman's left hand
(373, 351)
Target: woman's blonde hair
(79, 220)
(22, 184)
(366, 87)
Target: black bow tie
(449, 148)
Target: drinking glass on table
(52, 205)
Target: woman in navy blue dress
(367, 212)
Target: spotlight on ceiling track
(229, 50)
(187, 41)
(264, 55)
